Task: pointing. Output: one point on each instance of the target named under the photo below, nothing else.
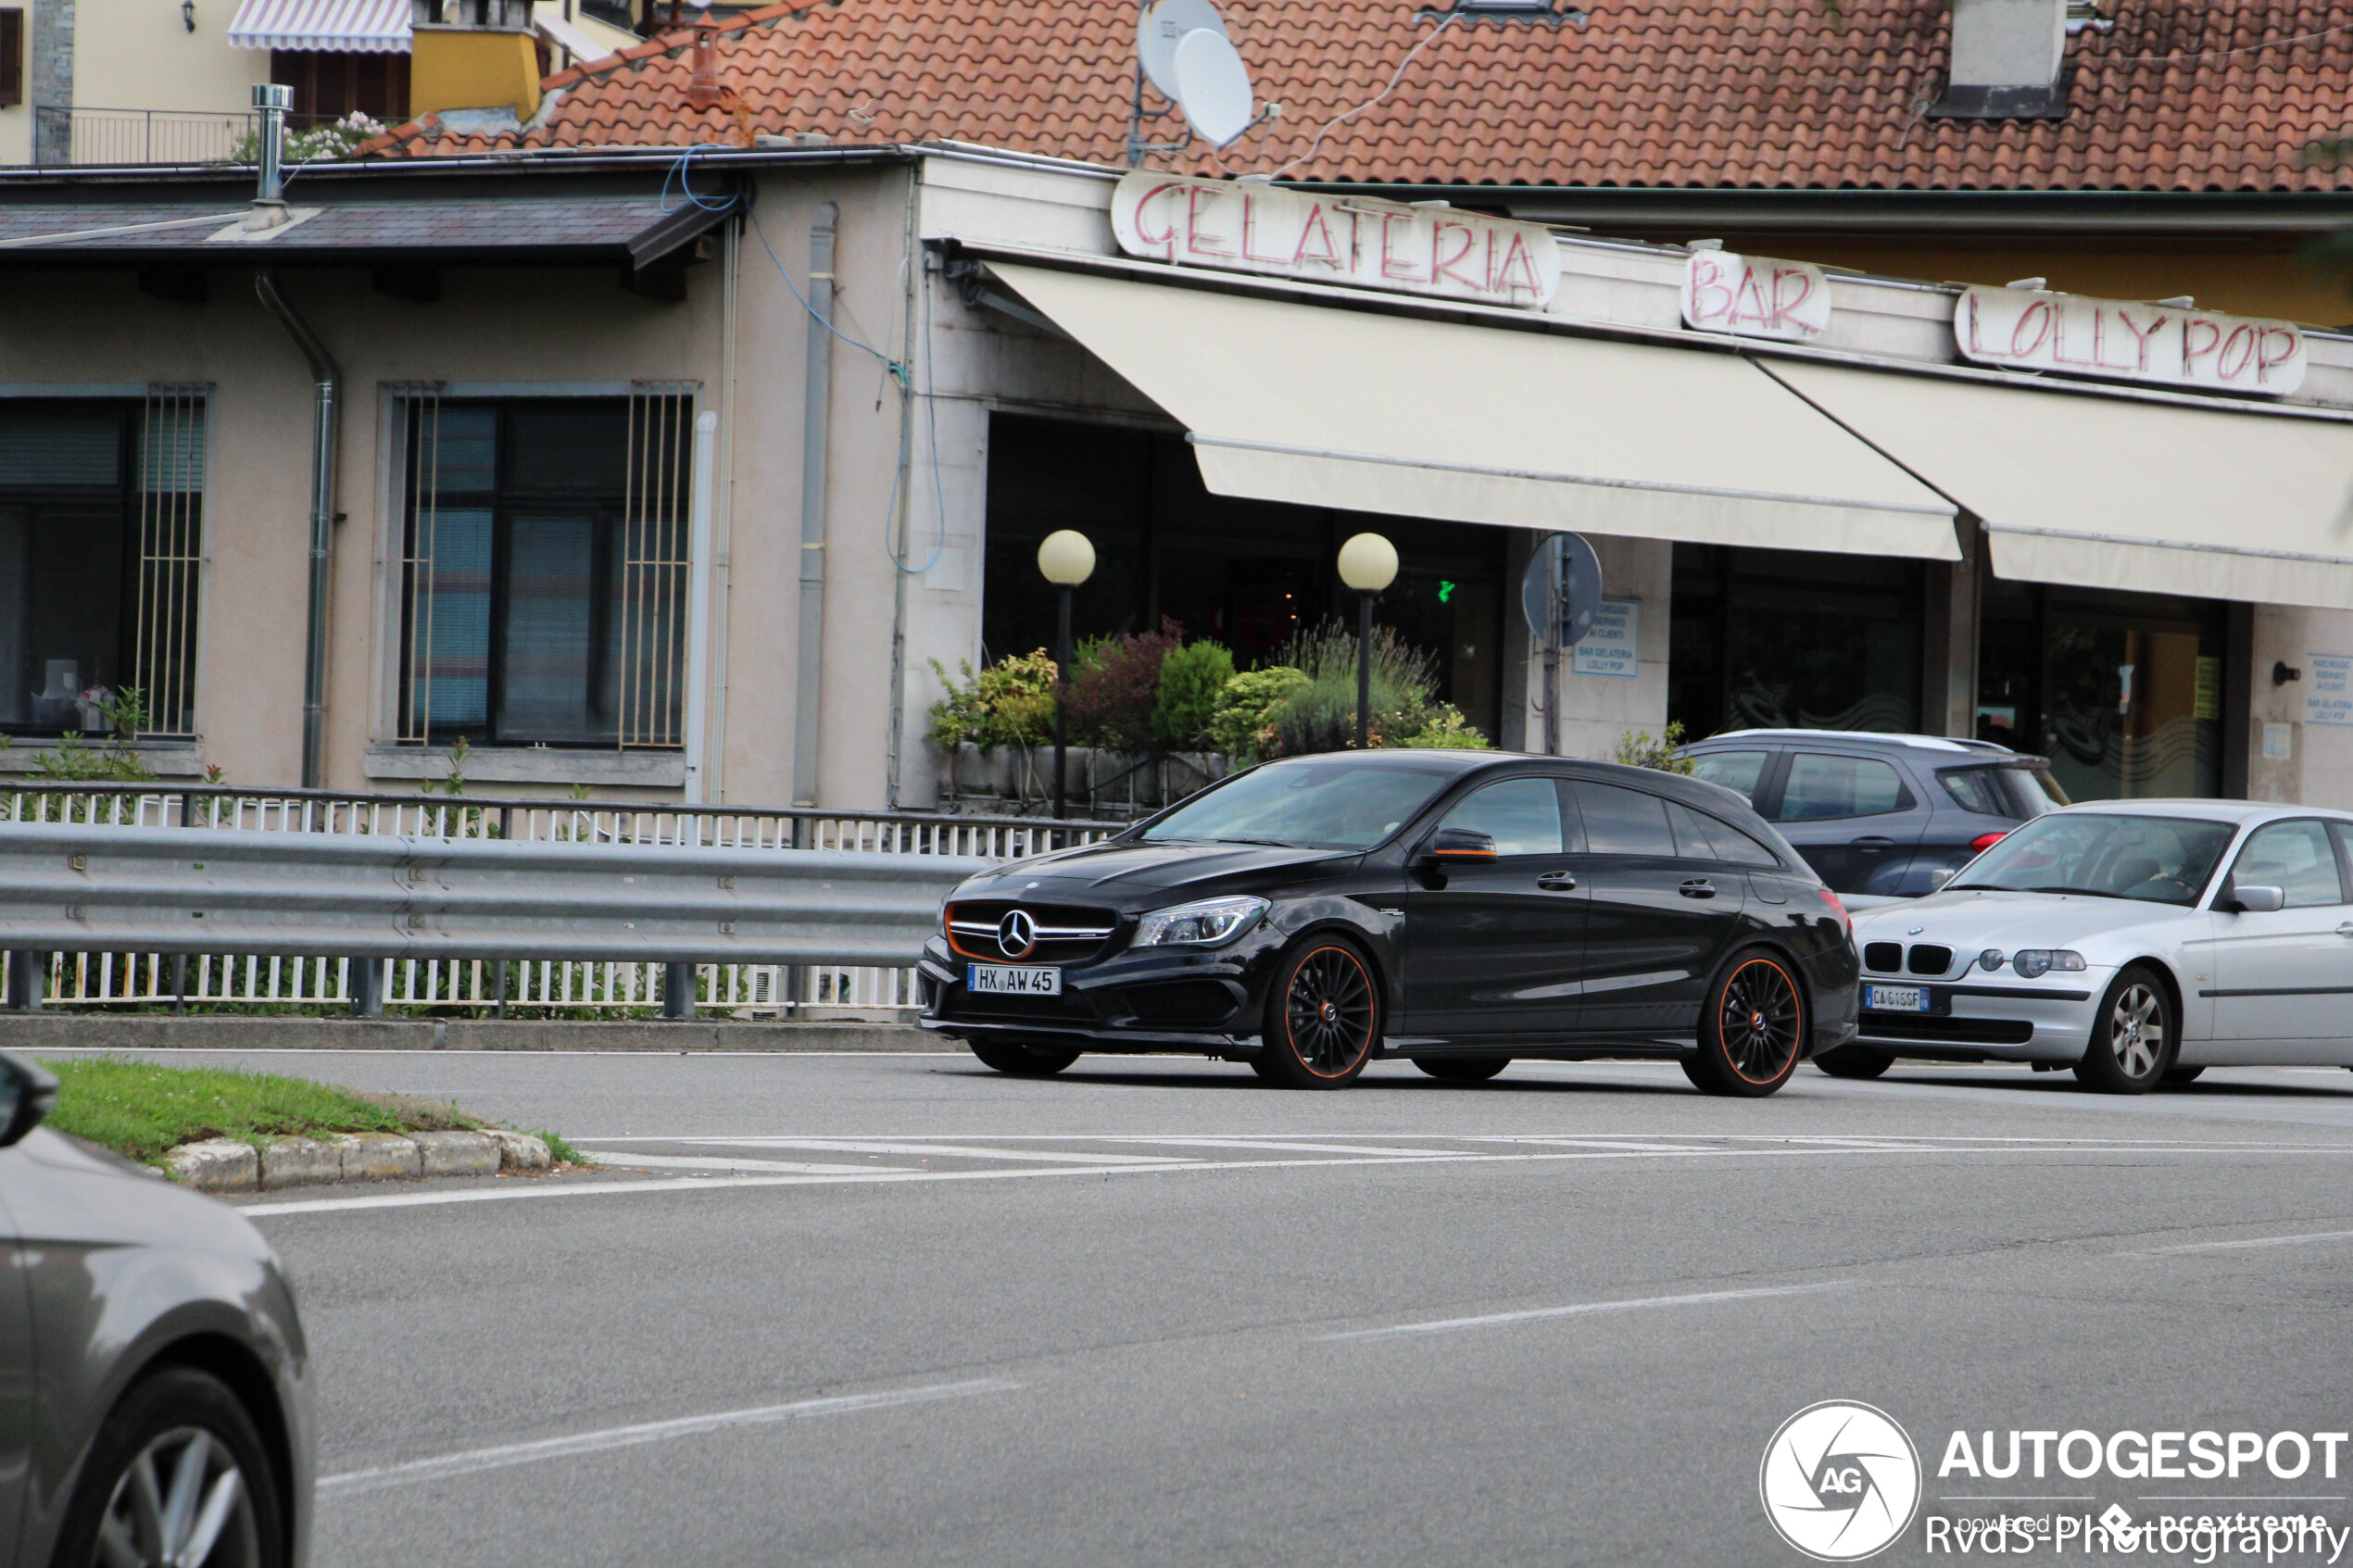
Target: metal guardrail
(220, 978)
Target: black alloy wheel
(1752, 1030)
(1323, 1018)
(176, 1477)
(1463, 1069)
(1023, 1059)
(1854, 1062)
(2133, 1038)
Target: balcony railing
(116, 137)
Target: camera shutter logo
(1017, 935)
(1840, 1481)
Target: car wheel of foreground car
(176, 1475)
(2132, 1041)
(1751, 1028)
(1023, 1061)
(1463, 1069)
(1323, 1017)
(2176, 1077)
(1854, 1062)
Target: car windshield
(2104, 854)
(1312, 803)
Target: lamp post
(1066, 559)
(1368, 564)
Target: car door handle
(1697, 888)
(1872, 846)
(2345, 930)
(1557, 881)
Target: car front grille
(1929, 959)
(1886, 957)
(1064, 934)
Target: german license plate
(1004, 980)
(1895, 998)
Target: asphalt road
(896, 1309)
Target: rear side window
(1523, 816)
(1740, 772)
(1699, 837)
(1821, 786)
(2295, 857)
(1624, 821)
(2016, 793)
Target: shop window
(101, 539)
(1793, 639)
(328, 85)
(1250, 574)
(543, 569)
(2123, 692)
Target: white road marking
(356, 1482)
(872, 1145)
(2234, 1246)
(510, 1191)
(1497, 1320)
(1284, 1147)
(621, 1160)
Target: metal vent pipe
(326, 380)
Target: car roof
(1874, 737)
(2239, 812)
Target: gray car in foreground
(155, 1402)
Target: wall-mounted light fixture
(188, 13)
(2282, 672)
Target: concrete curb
(229, 1165)
(62, 1030)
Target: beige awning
(1326, 406)
(2111, 493)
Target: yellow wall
(2247, 279)
(140, 55)
(464, 68)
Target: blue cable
(681, 174)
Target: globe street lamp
(1368, 564)
(1066, 559)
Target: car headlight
(1991, 958)
(1205, 924)
(2032, 963)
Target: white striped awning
(350, 27)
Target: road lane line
(620, 1160)
(1279, 1147)
(1533, 1314)
(356, 1482)
(2234, 1246)
(548, 1187)
(960, 1152)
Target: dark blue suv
(1879, 814)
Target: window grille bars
(169, 503)
(655, 551)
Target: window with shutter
(11, 58)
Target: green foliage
(455, 782)
(1192, 681)
(1010, 703)
(1637, 749)
(1243, 722)
(1444, 726)
(142, 1111)
(112, 760)
(1323, 717)
(560, 1147)
(1115, 688)
(337, 139)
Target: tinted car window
(1523, 816)
(2003, 792)
(1623, 821)
(1822, 786)
(2108, 855)
(2292, 856)
(1736, 771)
(1316, 803)
(1699, 837)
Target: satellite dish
(1162, 26)
(1213, 86)
(1561, 590)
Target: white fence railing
(221, 982)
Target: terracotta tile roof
(2182, 95)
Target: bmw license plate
(1004, 980)
(1895, 998)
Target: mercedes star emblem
(1017, 935)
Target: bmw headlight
(2032, 963)
(1205, 924)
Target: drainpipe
(697, 695)
(325, 379)
(816, 392)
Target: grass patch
(559, 1150)
(142, 1109)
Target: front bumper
(1204, 1002)
(2020, 1021)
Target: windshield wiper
(2086, 892)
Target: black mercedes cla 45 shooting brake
(1457, 907)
